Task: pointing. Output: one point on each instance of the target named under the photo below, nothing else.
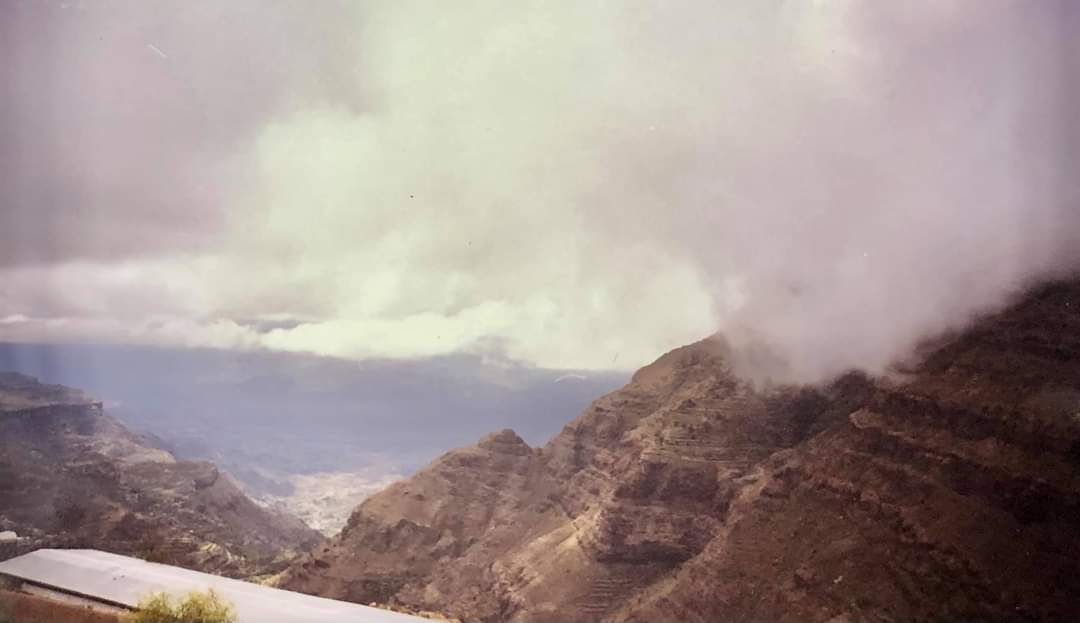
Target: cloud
(122, 119)
(571, 377)
(570, 183)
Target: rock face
(949, 492)
(72, 476)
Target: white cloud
(589, 182)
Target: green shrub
(195, 607)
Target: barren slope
(70, 475)
(952, 494)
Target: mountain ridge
(73, 476)
(691, 494)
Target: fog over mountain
(574, 185)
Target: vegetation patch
(195, 607)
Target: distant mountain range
(274, 420)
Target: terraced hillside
(950, 491)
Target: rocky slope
(72, 476)
(948, 492)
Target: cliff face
(951, 492)
(72, 476)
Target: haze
(578, 185)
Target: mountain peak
(505, 441)
(711, 350)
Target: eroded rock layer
(72, 476)
(948, 492)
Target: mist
(572, 185)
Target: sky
(579, 185)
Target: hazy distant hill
(313, 435)
(951, 493)
(72, 476)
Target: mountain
(350, 426)
(946, 491)
(73, 476)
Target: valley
(311, 436)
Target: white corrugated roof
(123, 580)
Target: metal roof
(126, 581)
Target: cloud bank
(578, 185)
